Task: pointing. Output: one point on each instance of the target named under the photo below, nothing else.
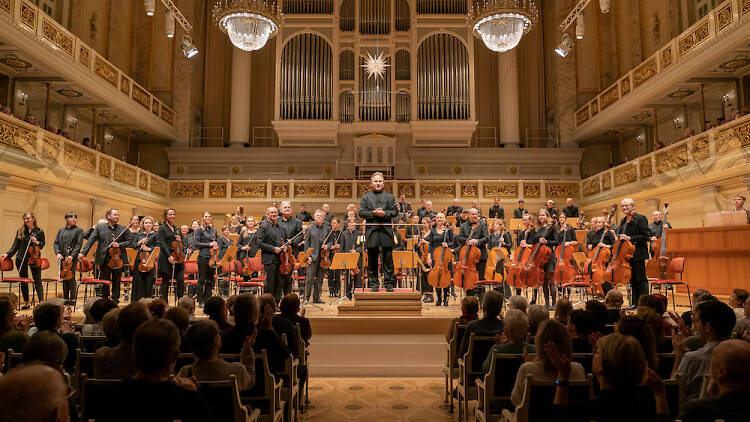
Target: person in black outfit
(29, 234)
(68, 243)
(582, 323)
(440, 235)
(204, 241)
(500, 238)
(454, 209)
(600, 236)
(656, 227)
(334, 244)
(496, 210)
(144, 241)
(316, 237)
(292, 229)
(634, 228)
(378, 207)
(570, 210)
(270, 237)
(474, 232)
(303, 215)
(329, 215)
(351, 241)
(404, 207)
(551, 210)
(524, 239)
(546, 234)
(521, 210)
(169, 269)
(109, 235)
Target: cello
(618, 270)
(565, 272)
(532, 273)
(465, 273)
(593, 268)
(440, 275)
(656, 267)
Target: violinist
(440, 235)
(241, 217)
(234, 225)
(404, 207)
(546, 235)
(67, 245)
(424, 230)
(109, 235)
(303, 215)
(479, 238)
(475, 205)
(328, 213)
(169, 269)
(247, 242)
(351, 212)
(521, 210)
(270, 238)
(29, 234)
(135, 225)
(334, 276)
(351, 241)
(292, 227)
(636, 231)
(454, 208)
(205, 240)
(224, 241)
(190, 238)
(316, 237)
(144, 242)
(657, 225)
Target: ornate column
(507, 70)
(239, 126)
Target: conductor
(378, 207)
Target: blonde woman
(27, 235)
(145, 241)
(545, 235)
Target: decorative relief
(158, 186)
(672, 159)
(5, 5)
(28, 16)
(469, 190)
(312, 190)
(155, 106)
(186, 189)
(735, 137)
(125, 174)
(56, 36)
(248, 190)
(724, 17)
(167, 115)
(594, 107)
(106, 71)
(694, 38)
(217, 190)
(561, 190)
(500, 190)
(142, 180)
(609, 97)
(606, 181)
(625, 86)
(50, 148)
(625, 175)
(15, 136)
(342, 190)
(79, 158)
(591, 187)
(434, 190)
(643, 72)
(745, 6)
(532, 190)
(280, 190)
(647, 169)
(701, 148)
(407, 189)
(125, 85)
(364, 187)
(582, 116)
(666, 57)
(141, 96)
(84, 56)
(105, 167)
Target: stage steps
(383, 304)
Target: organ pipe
(375, 97)
(346, 107)
(442, 78)
(346, 22)
(317, 7)
(374, 16)
(445, 7)
(306, 78)
(402, 15)
(403, 63)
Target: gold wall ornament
(107, 72)
(625, 85)
(312, 190)
(84, 56)
(724, 17)
(734, 137)
(142, 180)
(155, 106)
(217, 190)
(186, 189)
(141, 96)
(342, 190)
(694, 38)
(79, 158)
(15, 135)
(745, 6)
(626, 174)
(582, 116)
(248, 190)
(125, 174)
(5, 5)
(125, 85)
(532, 190)
(167, 115)
(500, 190)
(408, 190)
(56, 36)
(158, 186)
(594, 107)
(280, 190)
(28, 15)
(437, 190)
(364, 187)
(701, 148)
(666, 57)
(561, 190)
(592, 187)
(671, 159)
(105, 167)
(469, 190)
(647, 170)
(606, 181)
(610, 96)
(50, 149)
(643, 72)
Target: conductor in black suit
(109, 235)
(378, 207)
(634, 227)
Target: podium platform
(383, 304)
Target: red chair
(48, 280)
(7, 265)
(88, 267)
(255, 283)
(579, 284)
(677, 266)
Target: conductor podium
(396, 303)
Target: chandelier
(249, 23)
(502, 23)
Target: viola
(618, 270)
(214, 259)
(115, 260)
(532, 274)
(565, 272)
(656, 267)
(177, 255)
(66, 270)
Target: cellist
(546, 236)
(637, 232)
(526, 237)
(566, 236)
(440, 235)
(500, 238)
(600, 235)
(479, 238)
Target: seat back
(585, 359)
(537, 404)
(6, 264)
(262, 395)
(479, 348)
(455, 342)
(191, 268)
(503, 371)
(45, 263)
(301, 349)
(96, 398)
(665, 362)
(183, 359)
(675, 397)
(91, 343)
(677, 265)
(12, 359)
(223, 399)
(84, 266)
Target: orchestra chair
(470, 369)
(494, 389)
(538, 397)
(665, 362)
(191, 270)
(255, 283)
(96, 398)
(7, 265)
(450, 369)
(232, 274)
(676, 266)
(89, 343)
(12, 359)
(290, 390)
(87, 281)
(223, 398)
(48, 280)
(265, 395)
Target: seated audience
(518, 302)
(656, 323)
(119, 362)
(156, 345)
(110, 329)
(289, 308)
(513, 340)
(204, 340)
(537, 315)
(49, 317)
(582, 324)
(599, 311)
(188, 303)
(179, 317)
(469, 312)
(490, 324)
(737, 302)
(631, 325)
(742, 327)
(730, 377)
(216, 309)
(11, 337)
(97, 310)
(33, 393)
(47, 348)
(281, 325)
(613, 301)
(563, 310)
(157, 307)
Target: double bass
(656, 267)
(618, 270)
(440, 274)
(465, 273)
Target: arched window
(346, 65)
(403, 20)
(403, 64)
(306, 78)
(442, 78)
(374, 16)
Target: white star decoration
(375, 66)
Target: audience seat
(303, 353)
(676, 266)
(450, 369)
(96, 398)
(585, 359)
(470, 369)
(494, 390)
(84, 366)
(12, 359)
(265, 395)
(538, 397)
(223, 398)
(675, 389)
(664, 364)
(91, 343)
(290, 389)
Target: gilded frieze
(28, 15)
(407, 189)
(532, 190)
(84, 56)
(56, 36)
(500, 190)
(666, 57)
(701, 148)
(437, 190)
(594, 107)
(625, 86)
(158, 186)
(364, 187)
(248, 190)
(125, 85)
(610, 96)
(694, 38)
(125, 174)
(591, 187)
(724, 17)
(141, 96)
(167, 115)
(79, 158)
(186, 189)
(606, 181)
(108, 72)
(625, 175)
(217, 190)
(5, 5)
(735, 137)
(582, 116)
(342, 190)
(469, 190)
(745, 6)
(142, 180)
(105, 167)
(15, 136)
(647, 170)
(280, 190)
(561, 190)
(155, 106)
(643, 72)
(672, 159)
(50, 148)
(312, 190)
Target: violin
(115, 260)
(287, 261)
(246, 269)
(532, 273)
(465, 274)
(656, 267)
(143, 258)
(214, 259)
(618, 270)
(325, 255)
(66, 270)
(565, 272)
(177, 255)
(424, 256)
(35, 255)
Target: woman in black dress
(440, 235)
(27, 235)
(146, 240)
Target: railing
(264, 136)
(485, 137)
(206, 137)
(700, 36)
(542, 137)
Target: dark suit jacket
(378, 236)
(639, 235)
(105, 235)
(518, 212)
(269, 236)
(497, 212)
(164, 238)
(480, 234)
(571, 211)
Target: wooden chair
(585, 359)
(12, 359)
(470, 369)
(676, 266)
(87, 281)
(450, 369)
(48, 280)
(255, 283)
(303, 354)
(223, 398)
(496, 386)
(265, 395)
(96, 398)
(90, 343)
(537, 403)
(665, 362)
(183, 359)
(675, 389)
(84, 366)
(290, 390)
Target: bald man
(730, 378)
(34, 393)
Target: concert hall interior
(555, 227)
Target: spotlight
(604, 5)
(580, 27)
(565, 46)
(188, 48)
(169, 24)
(149, 5)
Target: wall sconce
(108, 137)
(677, 123)
(23, 98)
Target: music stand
(451, 219)
(344, 261)
(132, 254)
(234, 237)
(573, 221)
(193, 256)
(228, 258)
(302, 257)
(516, 224)
(406, 260)
(152, 258)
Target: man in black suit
(109, 235)
(292, 228)
(474, 232)
(496, 210)
(404, 207)
(351, 241)
(521, 210)
(303, 215)
(454, 209)
(551, 210)
(634, 228)
(378, 207)
(270, 237)
(570, 210)
(657, 226)
(316, 237)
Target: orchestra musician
(351, 241)
(496, 210)
(28, 234)
(303, 215)
(499, 237)
(551, 210)
(439, 235)
(334, 244)
(526, 237)
(656, 226)
(378, 207)
(292, 227)
(600, 235)
(67, 245)
(316, 237)
(424, 230)
(454, 209)
(109, 235)
(475, 205)
(329, 215)
(462, 218)
(546, 236)
(404, 207)
(570, 210)
(241, 217)
(247, 243)
(145, 240)
(479, 238)
(426, 211)
(637, 232)
(521, 210)
(234, 225)
(168, 268)
(203, 241)
(135, 225)
(739, 206)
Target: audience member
(469, 312)
(737, 302)
(10, 336)
(119, 362)
(513, 340)
(111, 329)
(49, 317)
(179, 317)
(289, 308)
(631, 325)
(613, 301)
(97, 311)
(563, 310)
(157, 307)
(656, 323)
(518, 302)
(742, 327)
(490, 324)
(537, 315)
(281, 325)
(48, 348)
(188, 303)
(599, 311)
(216, 309)
(33, 393)
(582, 324)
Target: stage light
(150, 5)
(604, 5)
(188, 48)
(169, 24)
(580, 27)
(565, 46)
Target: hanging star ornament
(375, 66)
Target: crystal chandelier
(249, 23)
(502, 23)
